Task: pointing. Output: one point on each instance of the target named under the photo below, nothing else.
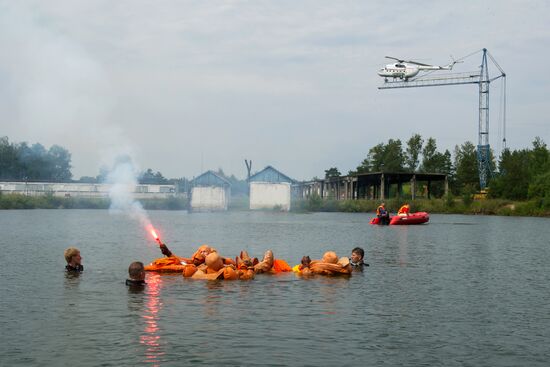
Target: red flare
(154, 234)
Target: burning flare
(155, 235)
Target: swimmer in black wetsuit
(136, 272)
(356, 261)
(73, 258)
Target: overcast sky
(186, 86)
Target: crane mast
(483, 79)
(483, 147)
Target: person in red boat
(404, 210)
(383, 214)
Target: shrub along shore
(18, 201)
(449, 205)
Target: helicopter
(406, 69)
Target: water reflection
(151, 332)
(403, 239)
(72, 278)
(213, 298)
(453, 302)
(329, 298)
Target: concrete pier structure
(374, 186)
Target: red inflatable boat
(412, 218)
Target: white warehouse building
(270, 189)
(210, 192)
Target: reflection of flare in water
(151, 337)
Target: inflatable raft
(188, 266)
(413, 218)
(172, 264)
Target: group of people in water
(384, 215)
(207, 263)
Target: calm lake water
(460, 291)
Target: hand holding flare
(162, 246)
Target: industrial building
(270, 189)
(210, 192)
(372, 185)
(82, 190)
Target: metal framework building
(374, 186)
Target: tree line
(24, 162)
(518, 175)
(522, 174)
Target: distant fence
(85, 190)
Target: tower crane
(483, 79)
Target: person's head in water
(73, 258)
(357, 255)
(136, 271)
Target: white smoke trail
(123, 181)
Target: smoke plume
(123, 181)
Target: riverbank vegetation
(448, 205)
(18, 201)
(519, 183)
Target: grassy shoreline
(533, 208)
(18, 201)
(467, 206)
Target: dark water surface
(460, 291)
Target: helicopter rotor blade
(417, 63)
(394, 58)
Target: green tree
(103, 174)
(434, 161)
(513, 180)
(428, 153)
(238, 187)
(394, 158)
(414, 147)
(148, 177)
(364, 167)
(540, 171)
(59, 164)
(387, 157)
(540, 188)
(35, 163)
(376, 157)
(522, 173)
(88, 179)
(466, 174)
(539, 161)
(8, 159)
(332, 172)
